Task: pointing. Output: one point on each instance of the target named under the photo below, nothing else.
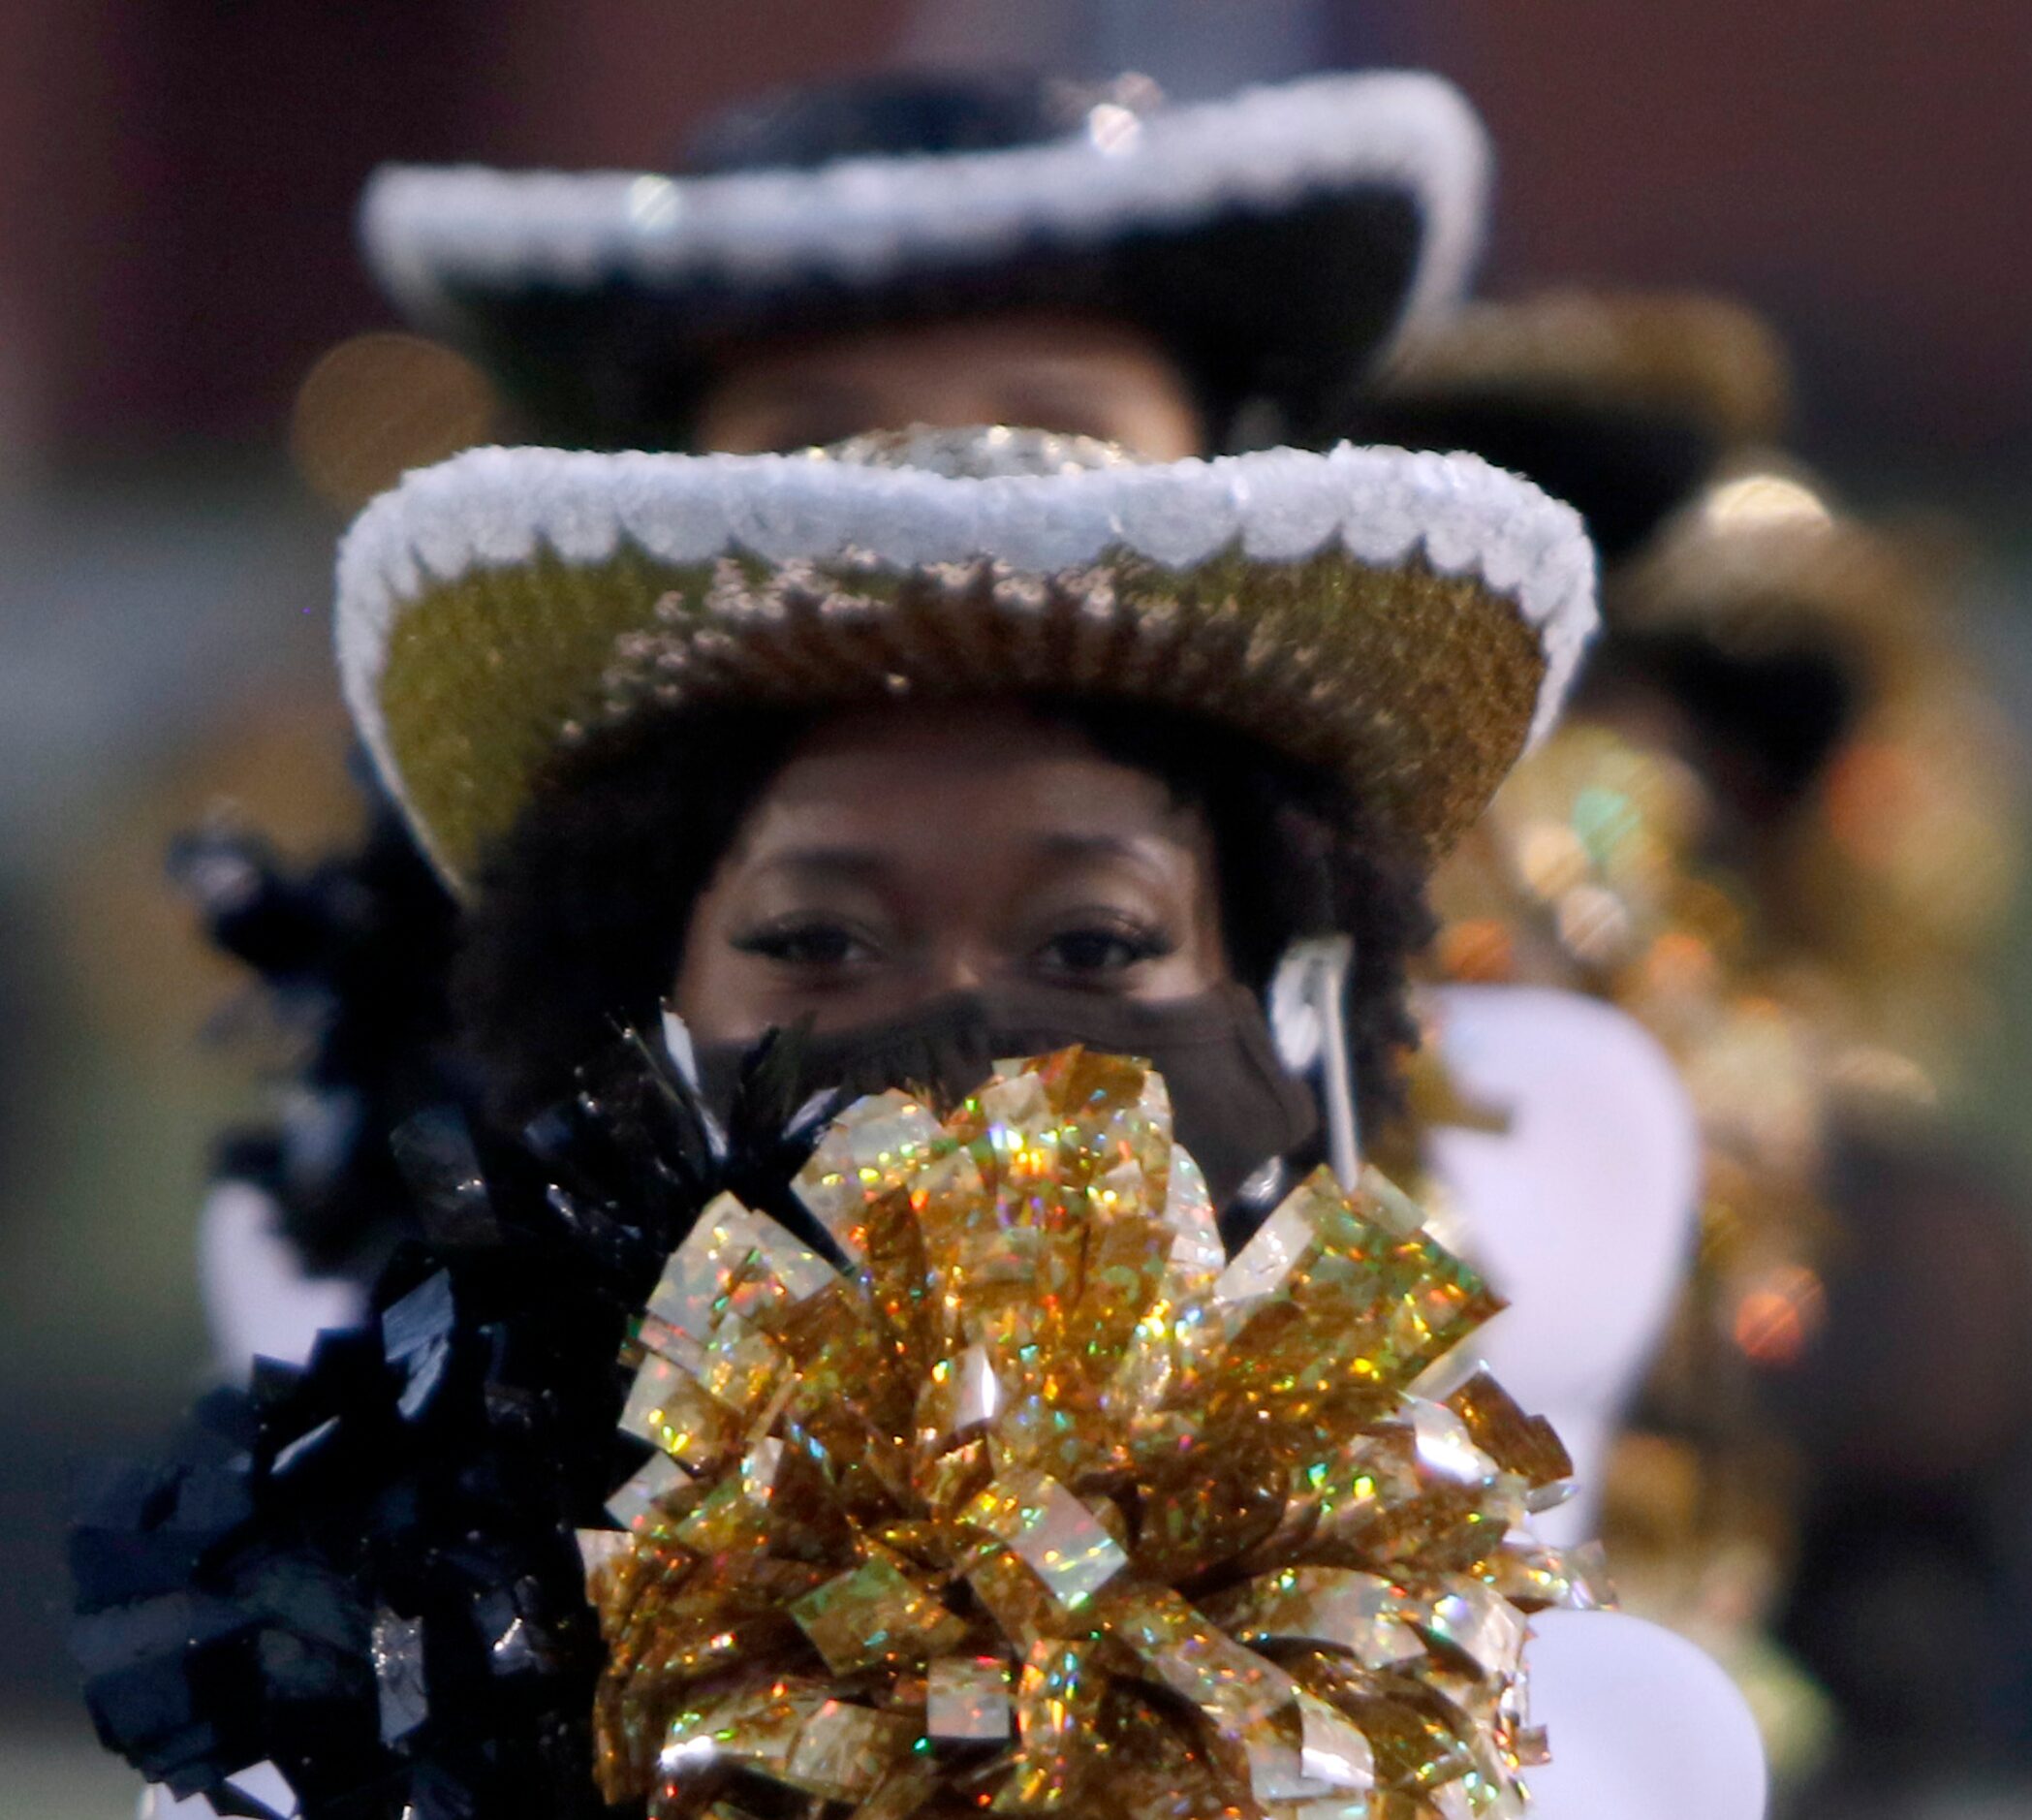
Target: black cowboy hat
(1275, 240)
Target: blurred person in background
(1780, 827)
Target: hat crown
(897, 114)
(978, 452)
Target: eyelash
(1137, 941)
(780, 942)
(791, 944)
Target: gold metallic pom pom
(1046, 1506)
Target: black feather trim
(352, 954)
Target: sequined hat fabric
(1408, 622)
(1273, 240)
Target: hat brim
(1406, 623)
(1622, 404)
(1275, 240)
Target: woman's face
(1074, 374)
(908, 852)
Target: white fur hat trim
(427, 230)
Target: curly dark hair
(580, 912)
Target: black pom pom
(364, 1571)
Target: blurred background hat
(1273, 242)
(1622, 403)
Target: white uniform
(1582, 1212)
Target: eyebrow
(867, 862)
(1133, 847)
(855, 863)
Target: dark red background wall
(1862, 168)
(177, 177)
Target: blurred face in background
(1076, 374)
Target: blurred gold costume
(1778, 829)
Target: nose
(959, 966)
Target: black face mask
(1234, 1107)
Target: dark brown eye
(1101, 949)
(812, 943)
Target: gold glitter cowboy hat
(1407, 622)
